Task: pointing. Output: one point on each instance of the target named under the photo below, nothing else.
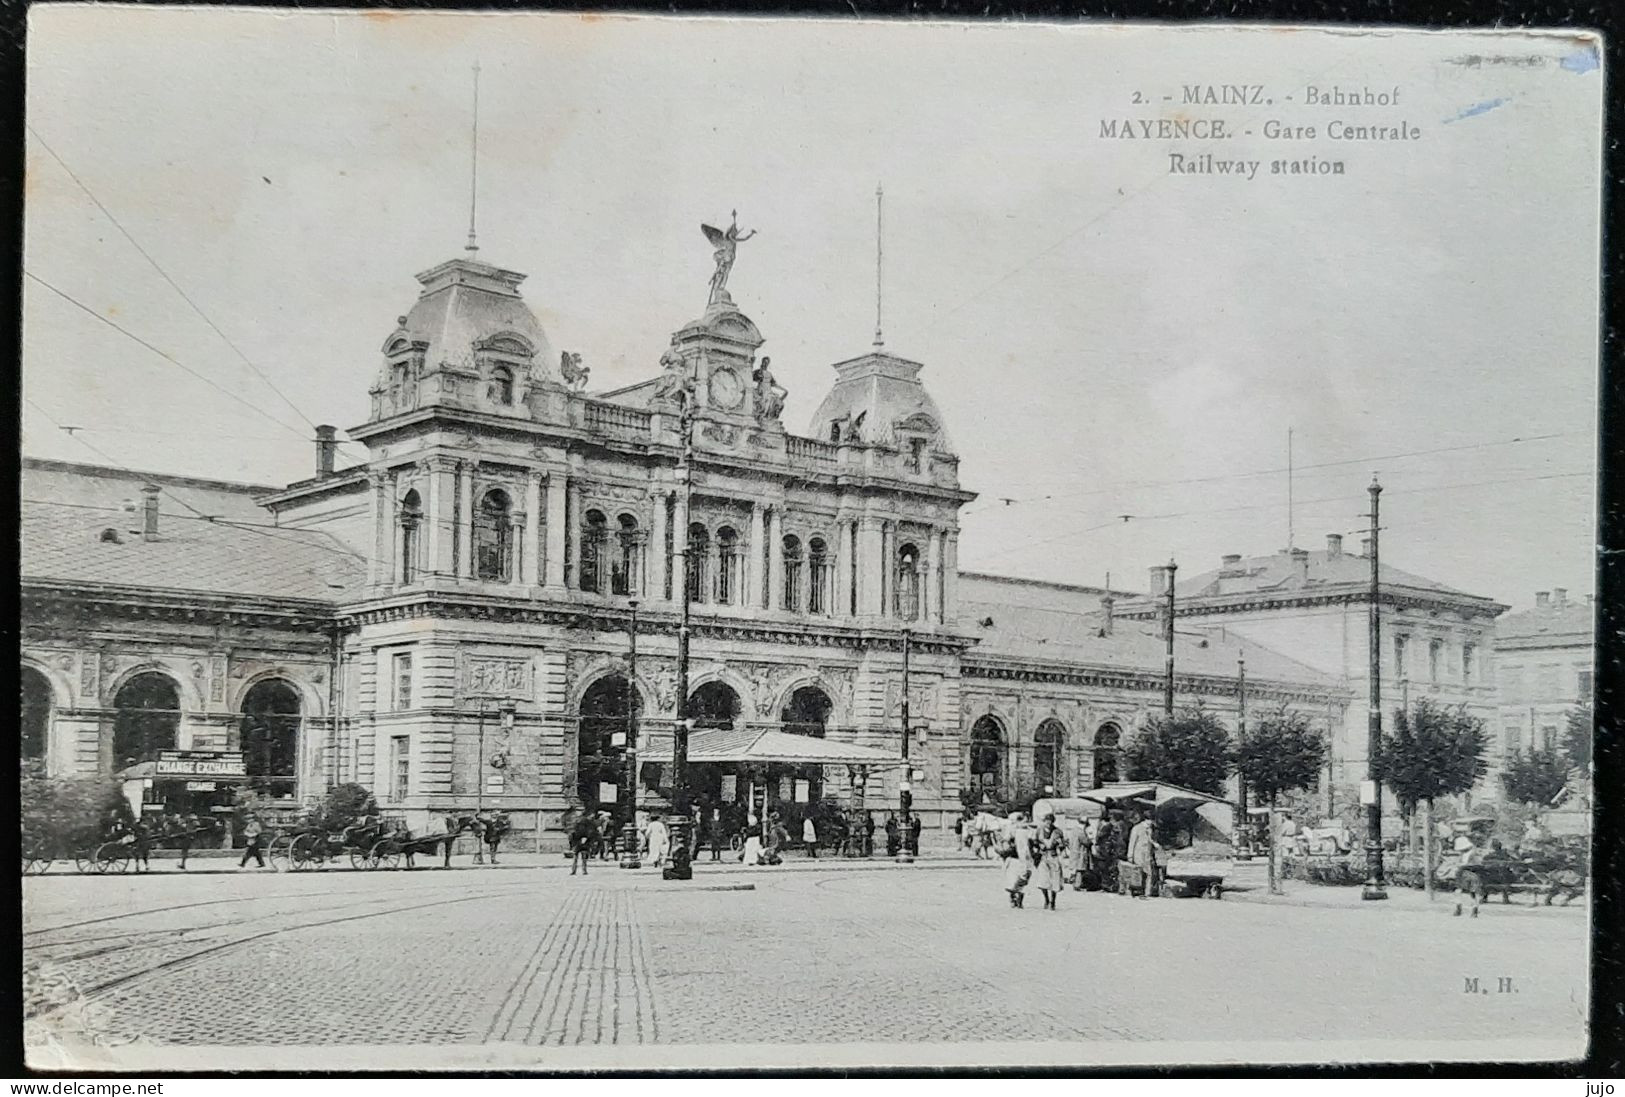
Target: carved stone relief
(89, 675)
(503, 676)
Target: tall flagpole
(474, 166)
(880, 236)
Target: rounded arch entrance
(146, 718)
(714, 705)
(609, 710)
(34, 726)
(1049, 749)
(269, 736)
(807, 711)
(1108, 753)
(987, 760)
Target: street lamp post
(629, 830)
(1168, 682)
(681, 724)
(1241, 738)
(1375, 886)
(905, 787)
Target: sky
(1103, 338)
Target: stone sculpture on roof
(572, 371)
(769, 393)
(726, 245)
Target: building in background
(1437, 642)
(1543, 670)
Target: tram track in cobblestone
(104, 987)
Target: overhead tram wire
(162, 273)
(1124, 519)
(1006, 502)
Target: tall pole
(629, 830)
(1241, 734)
(679, 742)
(905, 784)
(479, 773)
(880, 224)
(1375, 886)
(1168, 677)
(1289, 530)
(474, 166)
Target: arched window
(626, 574)
(1048, 742)
(698, 559)
(907, 586)
(608, 710)
(727, 566)
(1108, 748)
(269, 737)
(820, 575)
(147, 716)
(34, 729)
(502, 385)
(493, 537)
(807, 712)
(792, 573)
(713, 705)
(594, 540)
(411, 539)
(987, 760)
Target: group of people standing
(1046, 856)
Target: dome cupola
(878, 400)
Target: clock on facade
(727, 390)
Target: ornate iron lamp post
(905, 785)
(629, 829)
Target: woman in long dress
(1017, 865)
(659, 842)
(1049, 860)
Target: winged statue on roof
(726, 244)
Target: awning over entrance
(767, 745)
(1158, 792)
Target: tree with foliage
(1433, 751)
(1191, 750)
(1577, 739)
(1282, 753)
(1536, 778)
(63, 815)
(342, 806)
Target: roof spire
(474, 166)
(880, 210)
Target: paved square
(882, 955)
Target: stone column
(840, 603)
(392, 528)
(868, 565)
(754, 540)
(519, 539)
(888, 570)
(950, 579)
(465, 519)
(655, 558)
(922, 579)
(775, 559)
(553, 555)
(439, 517)
(572, 550)
(533, 529)
(378, 569)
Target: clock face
(727, 391)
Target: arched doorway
(713, 705)
(34, 726)
(807, 713)
(1108, 748)
(609, 709)
(147, 718)
(987, 760)
(269, 737)
(1048, 744)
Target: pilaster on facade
(775, 550)
(464, 555)
(556, 530)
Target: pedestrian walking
(809, 836)
(1142, 854)
(714, 833)
(1106, 855)
(914, 825)
(893, 842)
(252, 832)
(141, 840)
(186, 827)
(1017, 865)
(1049, 849)
(659, 841)
(583, 837)
(868, 834)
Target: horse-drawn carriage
(308, 845)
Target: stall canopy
(1156, 792)
(766, 745)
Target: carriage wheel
(84, 861)
(359, 859)
(301, 852)
(112, 857)
(36, 865)
(385, 854)
(277, 853)
(736, 843)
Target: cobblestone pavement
(910, 956)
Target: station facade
(451, 623)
